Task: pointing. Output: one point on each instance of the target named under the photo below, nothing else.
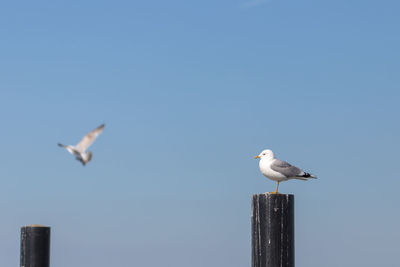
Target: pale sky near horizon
(190, 91)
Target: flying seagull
(79, 151)
(278, 170)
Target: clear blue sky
(190, 91)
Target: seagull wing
(286, 169)
(88, 139)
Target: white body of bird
(265, 168)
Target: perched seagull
(79, 151)
(278, 170)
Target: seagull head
(267, 153)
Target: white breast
(268, 172)
(84, 156)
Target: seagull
(79, 151)
(278, 170)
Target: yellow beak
(257, 157)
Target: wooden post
(35, 246)
(273, 230)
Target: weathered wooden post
(35, 246)
(273, 230)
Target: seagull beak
(257, 157)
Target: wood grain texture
(272, 230)
(35, 246)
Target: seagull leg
(276, 191)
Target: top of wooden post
(273, 195)
(35, 225)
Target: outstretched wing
(88, 139)
(286, 169)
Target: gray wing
(88, 139)
(286, 169)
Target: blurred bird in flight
(79, 151)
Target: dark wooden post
(273, 230)
(35, 246)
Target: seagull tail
(309, 175)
